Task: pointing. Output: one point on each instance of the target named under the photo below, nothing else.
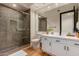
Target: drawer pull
(76, 44)
(40, 37)
(57, 40)
(49, 43)
(45, 38)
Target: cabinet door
(58, 47)
(73, 51)
(49, 46)
(73, 48)
(46, 45)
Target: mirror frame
(74, 29)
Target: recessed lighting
(14, 5)
(39, 16)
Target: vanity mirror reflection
(42, 24)
(63, 19)
(77, 25)
(67, 22)
(77, 21)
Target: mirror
(42, 23)
(68, 15)
(77, 22)
(77, 25)
(67, 22)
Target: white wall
(53, 21)
(34, 24)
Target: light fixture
(39, 16)
(14, 5)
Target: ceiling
(19, 6)
(44, 7)
(37, 7)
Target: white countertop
(57, 36)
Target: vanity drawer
(72, 42)
(58, 40)
(61, 41)
(45, 39)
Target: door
(58, 47)
(73, 51)
(46, 45)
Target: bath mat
(19, 53)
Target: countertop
(58, 36)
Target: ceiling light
(39, 16)
(14, 5)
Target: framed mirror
(42, 24)
(67, 22)
(77, 21)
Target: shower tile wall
(10, 32)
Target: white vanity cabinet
(53, 46)
(60, 46)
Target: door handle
(40, 37)
(76, 44)
(57, 40)
(64, 47)
(45, 38)
(67, 48)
